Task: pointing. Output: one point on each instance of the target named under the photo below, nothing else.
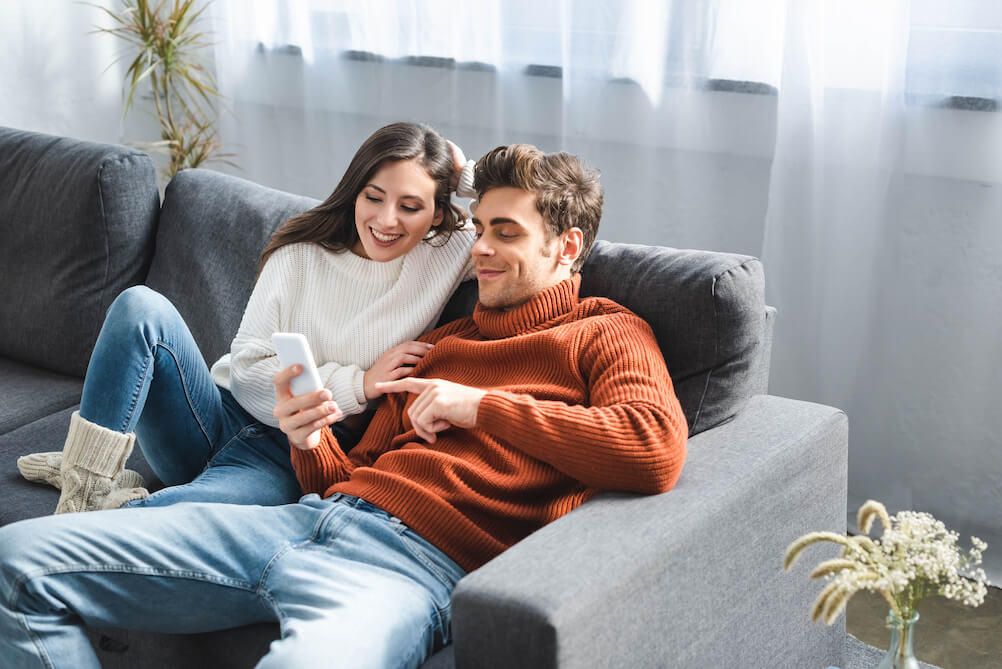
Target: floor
(948, 634)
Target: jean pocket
(432, 559)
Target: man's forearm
(635, 446)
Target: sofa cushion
(212, 229)
(707, 310)
(77, 221)
(29, 393)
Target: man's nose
(482, 247)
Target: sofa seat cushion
(29, 393)
(23, 499)
(212, 229)
(77, 221)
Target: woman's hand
(396, 363)
(458, 162)
(302, 417)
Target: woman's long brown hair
(331, 224)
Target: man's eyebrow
(497, 220)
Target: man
(515, 417)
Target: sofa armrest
(692, 577)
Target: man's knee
(18, 544)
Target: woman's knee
(137, 303)
(142, 309)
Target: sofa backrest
(707, 310)
(77, 222)
(212, 229)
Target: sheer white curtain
(838, 140)
(882, 247)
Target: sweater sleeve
(632, 437)
(319, 468)
(465, 186)
(253, 359)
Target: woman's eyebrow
(402, 197)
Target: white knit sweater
(351, 310)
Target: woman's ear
(439, 217)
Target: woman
(361, 276)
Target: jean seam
(39, 648)
(438, 572)
(262, 590)
(429, 625)
(135, 393)
(187, 394)
(418, 554)
(250, 427)
(18, 585)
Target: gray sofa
(688, 578)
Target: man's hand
(396, 363)
(458, 163)
(301, 417)
(439, 404)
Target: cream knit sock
(45, 468)
(42, 468)
(120, 495)
(92, 457)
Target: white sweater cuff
(465, 186)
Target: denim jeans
(350, 585)
(147, 375)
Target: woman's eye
(409, 209)
(503, 235)
(372, 199)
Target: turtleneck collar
(541, 308)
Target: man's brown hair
(567, 192)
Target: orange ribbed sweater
(579, 401)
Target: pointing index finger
(409, 385)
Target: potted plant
(166, 51)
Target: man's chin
(502, 302)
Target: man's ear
(570, 246)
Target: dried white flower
(915, 557)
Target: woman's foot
(93, 458)
(46, 468)
(42, 468)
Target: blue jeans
(350, 585)
(147, 375)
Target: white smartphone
(293, 349)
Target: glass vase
(900, 655)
